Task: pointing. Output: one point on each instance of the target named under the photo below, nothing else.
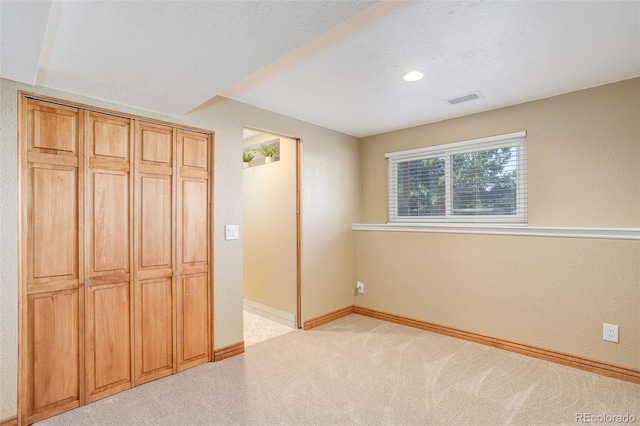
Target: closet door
(108, 211)
(114, 254)
(193, 249)
(51, 344)
(153, 252)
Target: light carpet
(362, 371)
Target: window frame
(516, 139)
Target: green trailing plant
(268, 150)
(247, 156)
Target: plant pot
(245, 165)
(268, 160)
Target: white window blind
(475, 181)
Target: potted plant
(246, 158)
(268, 151)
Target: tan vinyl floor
(362, 371)
(258, 329)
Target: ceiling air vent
(464, 98)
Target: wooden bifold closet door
(51, 261)
(193, 223)
(107, 233)
(154, 251)
(115, 249)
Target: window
(481, 180)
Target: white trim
(508, 140)
(392, 182)
(517, 230)
(269, 312)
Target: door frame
(298, 179)
(299, 232)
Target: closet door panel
(108, 331)
(155, 216)
(154, 329)
(52, 129)
(193, 322)
(53, 223)
(110, 138)
(156, 144)
(194, 222)
(195, 149)
(109, 246)
(54, 361)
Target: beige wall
(269, 229)
(331, 175)
(553, 293)
(583, 152)
(583, 171)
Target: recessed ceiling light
(412, 76)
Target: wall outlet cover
(610, 332)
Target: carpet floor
(362, 371)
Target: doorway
(271, 235)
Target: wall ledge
(513, 230)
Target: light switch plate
(232, 232)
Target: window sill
(517, 230)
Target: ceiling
(333, 63)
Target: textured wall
(583, 171)
(330, 204)
(583, 152)
(553, 293)
(8, 252)
(331, 175)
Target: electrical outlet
(610, 332)
(360, 287)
